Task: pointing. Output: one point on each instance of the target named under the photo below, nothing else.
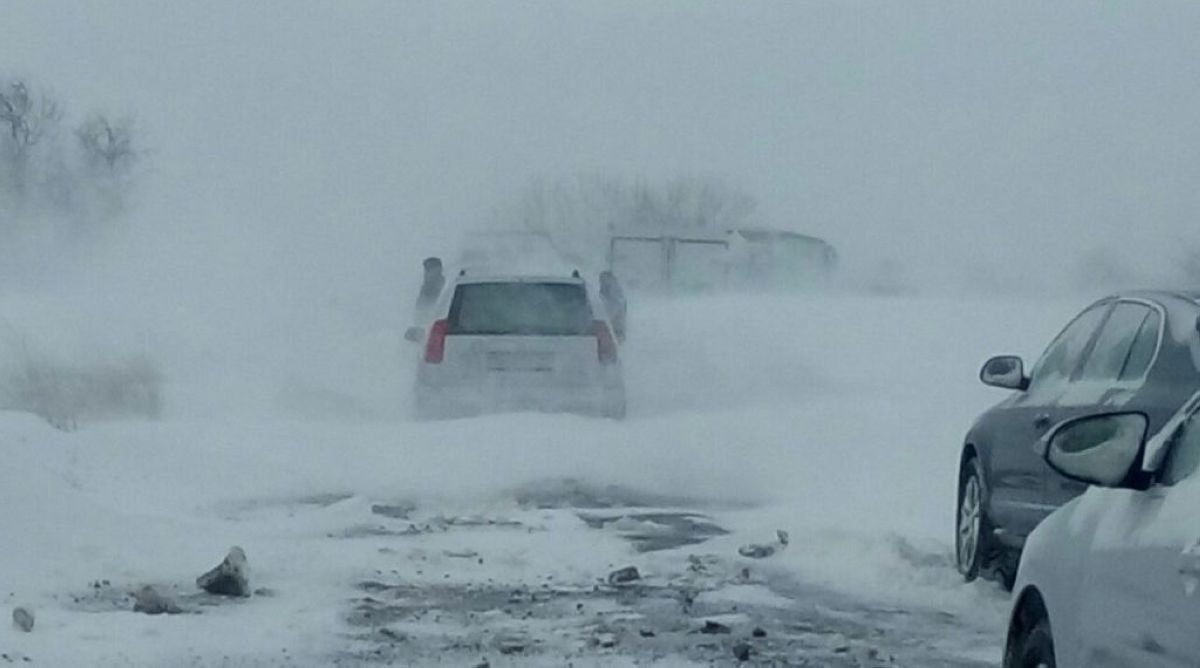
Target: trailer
(670, 261)
(697, 260)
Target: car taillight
(435, 345)
(606, 347)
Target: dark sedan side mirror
(414, 334)
(1006, 371)
(1097, 449)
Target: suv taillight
(606, 347)
(435, 345)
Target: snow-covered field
(206, 302)
(373, 539)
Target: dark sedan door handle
(1042, 422)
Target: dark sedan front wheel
(1032, 648)
(971, 537)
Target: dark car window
(1141, 354)
(1114, 343)
(1184, 454)
(520, 308)
(1062, 357)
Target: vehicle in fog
(1111, 578)
(776, 259)
(516, 342)
(697, 260)
(1136, 352)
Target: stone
(231, 577)
(513, 645)
(393, 511)
(22, 619)
(757, 551)
(742, 651)
(710, 627)
(764, 550)
(606, 640)
(624, 575)
(394, 636)
(149, 600)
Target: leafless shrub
(63, 394)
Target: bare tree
(577, 214)
(569, 213)
(107, 144)
(704, 203)
(25, 119)
(611, 202)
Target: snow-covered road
(374, 540)
(691, 600)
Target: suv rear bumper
(434, 402)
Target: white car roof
(468, 279)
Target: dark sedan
(1132, 352)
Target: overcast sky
(1011, 136)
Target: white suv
(512, 343)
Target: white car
(1113, 577)
(517, 343)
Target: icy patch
(651, 531)
(678, 617)
(577, 493)
(748, 595)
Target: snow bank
(838, 419)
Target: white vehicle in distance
(518, 343)
(1112, 578)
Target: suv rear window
(520, 309)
